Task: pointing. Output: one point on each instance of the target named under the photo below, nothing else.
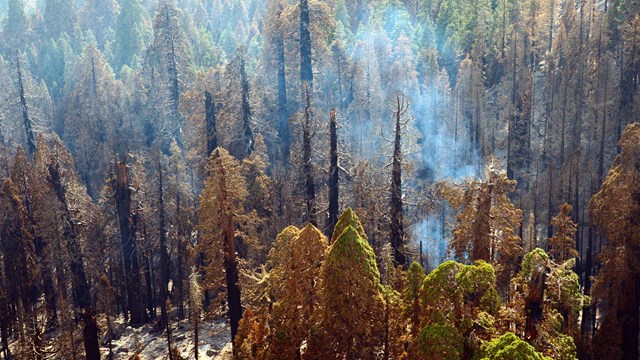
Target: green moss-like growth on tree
(351, 249)
(476, 279)
(509, 347)
(437, 283)
(348, 218)
(352, 303)
(531, 260)
(440, 341)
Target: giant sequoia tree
(221, 202)
(616, 209)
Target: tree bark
(284, 130)
(306, 71)
(26, 119)
(128, 222)
(482, 225)
(230, 261)
(247, 132)
(164, 254)
(90, 335)
(397, 211)
(333, 176)
(80, 284)
(534, 302)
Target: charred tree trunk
(534, 303)
(148, 277)
(128, 222)
(306, 71)
(90, 335)
(4, 335)
(210, 121)
(334, 179)
(164, 254)
(397, 211)
(179, 279)
(80, 284)
(230, 261)
(629, 315)
(26, 119)
(482, 225)
(307, 166)
(40, 246)
(284, 130)
(247, 133)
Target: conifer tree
(296, 288)
(615, 210)
(563, 243)
(220, 203)
(131, 33)
(334, 179)
(15, 25)
(351, 302)
(397, 211)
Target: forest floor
(151, 344)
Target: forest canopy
(318, 179)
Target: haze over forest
(319, 179)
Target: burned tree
(397, 212)
(248, 137)
(210, 122)
(128, 221)
(26, 118)
(334, 178)
(306, 71)
(220, 203)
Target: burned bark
(334, 179)
(127, 221)
(397, 211)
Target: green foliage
(440, 341)
(346, 219)
(352, 302)
(509, 347)
(531, 261)
(491, 301)
(477, 278)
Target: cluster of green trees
(324, 298)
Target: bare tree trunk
(179, 279)
(534, 302)
(306, 70)
(128, 221)
(247, 132)
(397, 211)
(333, 176)
(482, 225)
(284, 131)
(230, 261)
(26, 119)
(80, 284)
(90, 335)
(164, 254)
